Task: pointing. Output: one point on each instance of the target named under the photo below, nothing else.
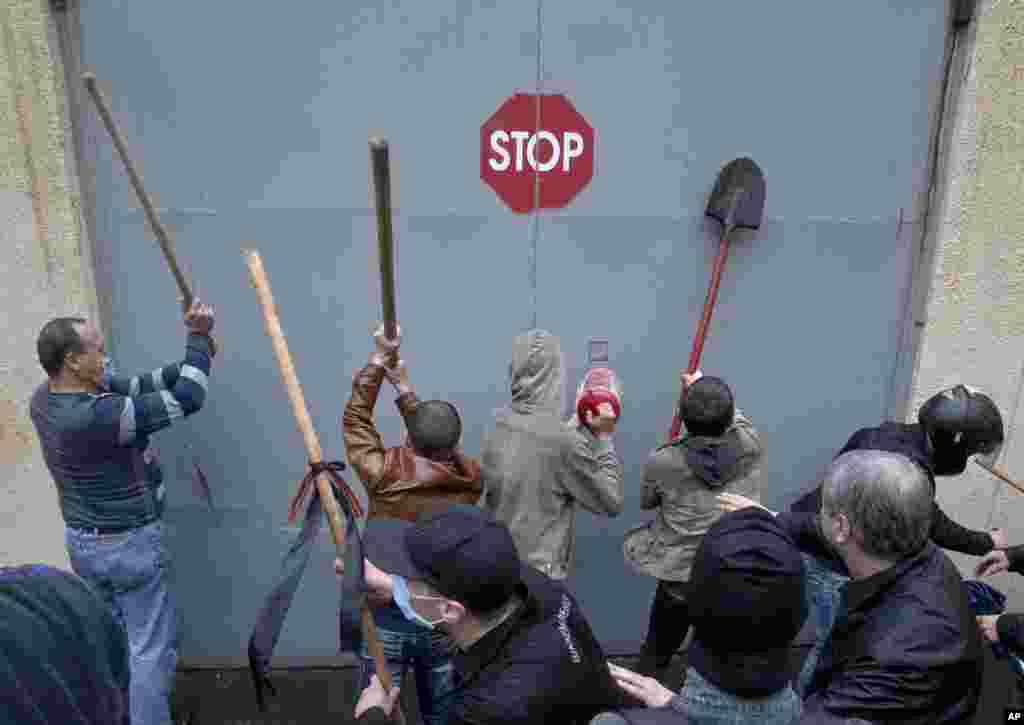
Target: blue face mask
(403, 598)
(108, 372)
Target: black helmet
(961, 422)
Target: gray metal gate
(251, 122)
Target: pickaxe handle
(323, 483)
(705, 319)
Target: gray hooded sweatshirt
(536, 468)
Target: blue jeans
(129, 570)
(823, 590)
(707, 704)
(702, 703)
(428, 654)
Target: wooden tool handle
(284, 359)
(705, 320)
(147, 204)
(1002, 475)
(159, 231)
(323, 483)
(380, 164)
(709, 305)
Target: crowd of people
(468, 561)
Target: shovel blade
(738, 197)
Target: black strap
(353, 584)
(333, 469)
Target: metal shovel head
(738, 197)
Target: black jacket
(906, 648)
(542, 664)
(63, 657)
(910, 441)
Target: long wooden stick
(147, 204)
(323, 483)
(380, 164)
(1002, 475)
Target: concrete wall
(969, 320)
(45, 267)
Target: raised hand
(399, 377)
(687, 379)
(385, 351)
(199, 318)
(604, 422)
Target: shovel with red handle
(737, 202)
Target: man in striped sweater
(94, 430)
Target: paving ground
(320, 695)
(226, 696)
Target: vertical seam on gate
(922, 255)
(535, 231)
(889, 408)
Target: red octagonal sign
(517, 153)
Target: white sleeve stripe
(126, 427)
(172, 406)
(133, 387)
(194, 374)
(157, 376)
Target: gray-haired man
(905, 646)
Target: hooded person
(63, 657)
(718, 452)
(536, 468)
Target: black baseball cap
(746, 599)
(460, 550)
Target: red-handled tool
(737, 202)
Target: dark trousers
(669, 623)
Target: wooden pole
(380, 165)
(147, 204)
(159, 231)
(323, 482)
(1002, 475)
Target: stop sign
(516, 153)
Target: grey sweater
(536, 468)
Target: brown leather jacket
(399, 483)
